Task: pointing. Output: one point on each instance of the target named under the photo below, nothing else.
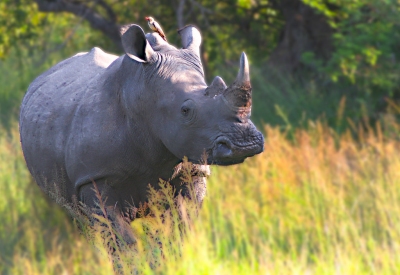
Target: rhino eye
(185, 110)
(188, 110)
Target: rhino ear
(191, 38)
(135, 44)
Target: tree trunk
(106, 24)
(305, 30)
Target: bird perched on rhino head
(155, 27)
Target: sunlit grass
(317, 203)
(320, 204)
(36, 236)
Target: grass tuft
(315, 203)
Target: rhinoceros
(126, 122)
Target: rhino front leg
(191, 179)
(102, 201)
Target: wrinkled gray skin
(125, 122)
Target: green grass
(319, 203)
(36, 236)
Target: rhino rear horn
(239, 93)
(216, 87)
(191, 38)
(135, 43)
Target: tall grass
(36, 236)
(318, 203)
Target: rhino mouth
(226, 152)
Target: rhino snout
(222, 148)
(226, 152)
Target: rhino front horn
(244, 71)
(239, 93)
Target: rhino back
(81, 68)
(49, 109)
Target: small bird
(155, 27)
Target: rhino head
(188, 117)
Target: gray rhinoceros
(125, 122)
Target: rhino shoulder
(88, 62)
(94, 61)
(80, 68)
(98, 57)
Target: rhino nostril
(223, 148)
(223, 142)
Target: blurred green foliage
(362, 67)
(30, 43)
(366, 41)
(19, 21)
